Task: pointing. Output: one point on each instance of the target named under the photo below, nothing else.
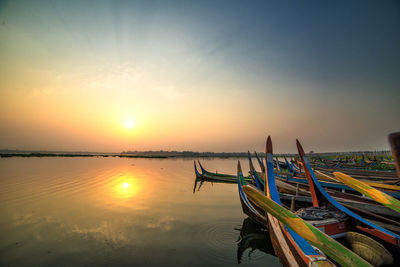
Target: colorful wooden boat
(331, 185)
(215, 174)
(324, 177)
(332, 248)
(289, 166)
(301, 247)
(283, 236)
(321, 197)
(290, 254)
(216, 177)
(254, 174)
(248, 207)
(353, 202)
(333, 226)
(260, 162)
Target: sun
(129, 124)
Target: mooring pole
(394, 140)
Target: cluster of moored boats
(321, 212)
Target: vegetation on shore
(176, 154)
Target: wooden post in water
(394, 140)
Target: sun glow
(129, 123)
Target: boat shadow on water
(254, 237)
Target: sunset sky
(199, 75)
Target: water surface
(118, 211)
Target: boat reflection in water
(254, 237)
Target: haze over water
(119, 75)
(113, 211)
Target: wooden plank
(280, 245)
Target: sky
(199, 75)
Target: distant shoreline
(169, 154)
(30, 155)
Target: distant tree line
(171, 154)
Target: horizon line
(2, 151)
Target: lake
(124, 212)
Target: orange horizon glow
(148, 77)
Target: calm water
(112, 211)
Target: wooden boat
(289, 166)
(362, 174)
(363, 162)
(283, 186)
(248, 207)
(254, 174)
(369, 191)
(366, 206)
(216, 174)
(331, 185)
(382, 185)
(389, 241)
(334, 226)
(290, 252)
(216, 177)
(340, 254)
(353, 202)
(300, 193)
(278, 166)
(260, 162)
(356, 203)
(291, 248)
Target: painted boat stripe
(343, 209)
(274, 195)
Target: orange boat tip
(300, 148)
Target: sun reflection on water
(126, 187)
